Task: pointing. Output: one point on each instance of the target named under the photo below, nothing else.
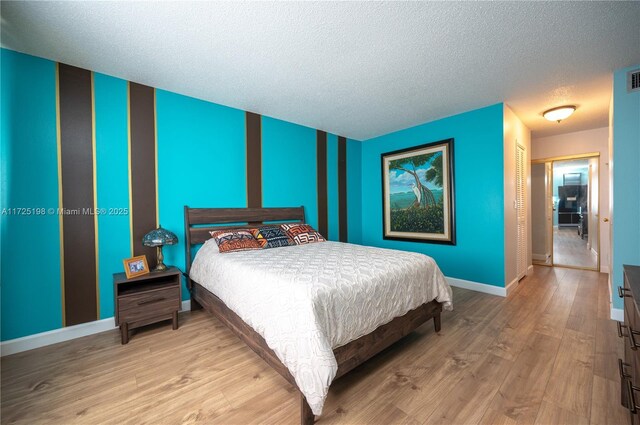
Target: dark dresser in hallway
(630, 329)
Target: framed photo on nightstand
(136, 266)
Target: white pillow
(212, 246)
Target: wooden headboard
(198, 222)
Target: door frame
(553, 159)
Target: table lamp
(159, 237)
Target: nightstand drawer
(144, 304)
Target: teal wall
(30, 270)
(355, 188)
(286, 150)
(201, 156)
(332, 186)
(479, 193)
(112, 172)
(626, 178)
(201, 162)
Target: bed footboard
(362, 349)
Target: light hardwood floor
(569, 249)
(545, 355)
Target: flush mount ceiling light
(560, 113)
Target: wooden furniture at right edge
(630, 367)
(198, 223)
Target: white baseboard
(529, 269)
(541, 257)
(55, 336)
(478, 287)
(186, 305)
(617, 314)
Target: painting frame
(130, 262)
(448, 235)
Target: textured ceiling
(358, 69)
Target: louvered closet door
(521, 212)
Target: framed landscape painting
(418, 194)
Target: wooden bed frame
(198, 222)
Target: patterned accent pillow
(271, 237)
(302, 233)
(234, 240)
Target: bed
(312, 312)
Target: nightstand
(146, 299)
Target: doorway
(564, 212)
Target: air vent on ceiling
(633, 80)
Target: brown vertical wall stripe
(323, 209)
(342, 188)
(254, 160)
(76, 158)
(143, 167)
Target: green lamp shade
(159, 237)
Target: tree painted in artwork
(424, 196)
(434, 174)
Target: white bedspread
(306, 300)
